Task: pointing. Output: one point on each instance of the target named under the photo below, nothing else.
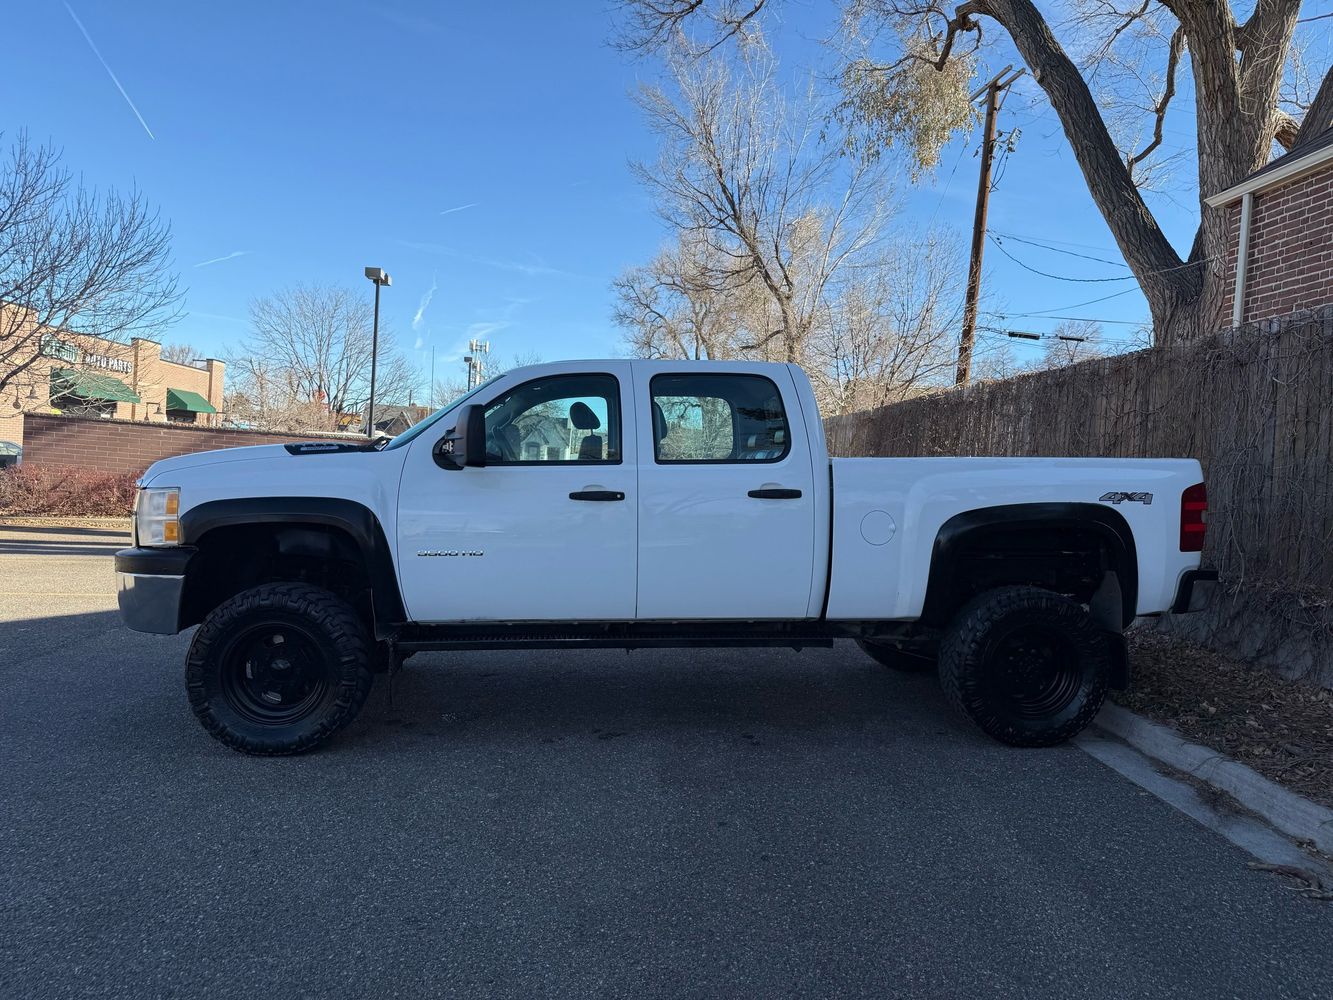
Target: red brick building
(1281, 246)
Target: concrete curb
(1286, 811)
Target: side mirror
(464, 443)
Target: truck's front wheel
(278, 669)
(1026, 665)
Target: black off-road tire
(238, 647)
(1028, 666)
(898, 659)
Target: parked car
(10, 454)
(669, 504)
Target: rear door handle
(775, 494)
(596, 495)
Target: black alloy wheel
(1037, 668)
(273, 673)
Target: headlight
(156, 517)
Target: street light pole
(380, 277)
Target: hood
(169, 467)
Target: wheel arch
(985, 528)
(301, 527)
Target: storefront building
(83, 375)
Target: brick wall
(1290, 266)
(126, 446)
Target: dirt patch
(1281, 728)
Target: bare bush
(57, 491)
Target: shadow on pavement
(607, 695)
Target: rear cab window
(718, 418)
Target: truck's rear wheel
(897, 659)
(278, 669)
(1026, 665)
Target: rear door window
(718, 418)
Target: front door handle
(775, 494)
(596, 495)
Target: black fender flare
(349, 516)
(954, 535)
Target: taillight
(1193, 506)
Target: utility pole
(998, 85)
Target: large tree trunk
(1236, 120)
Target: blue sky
(477, 149)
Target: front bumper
(1195, 591)
(150, 584)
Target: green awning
(183, 399)
(90, 385)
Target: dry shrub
(44, 490)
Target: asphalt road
(665, 824)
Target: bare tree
(892, 329)
(311, 344)
(1072, 341)
(182, 354)
(1237, 66)
(761, 204)
(262, 398)
(74, 260)
(673, 308)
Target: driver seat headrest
(582, 417)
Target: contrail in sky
(218, 260)
(420, 316)
(93, 45)
(451, 211)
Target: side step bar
(616, 635)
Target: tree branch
(1145, 247)
(1159, 109)
(1319, 117)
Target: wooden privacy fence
(1254, 405)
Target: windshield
(419, 428)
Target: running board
(616, 635)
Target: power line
(962, 148)
(1046, 274)
(1062, 243)
(1097, 338)
(1054, 249)
(1081, 319)
(1075, 305)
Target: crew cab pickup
(639, 504)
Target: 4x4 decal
(1116, 497)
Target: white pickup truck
(648, 504)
